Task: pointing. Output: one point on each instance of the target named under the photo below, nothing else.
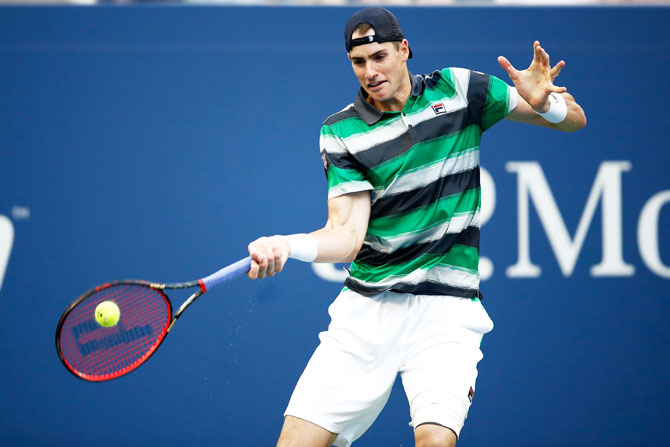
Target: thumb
(507, 66)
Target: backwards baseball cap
(387, 28)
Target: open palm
(535, 83)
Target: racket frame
(227, 273)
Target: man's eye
(379, 57)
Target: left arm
(575, 119)
(535, 86)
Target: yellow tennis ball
(107, 314)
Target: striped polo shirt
(421, 166)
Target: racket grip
(231, 271)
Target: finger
(259, 263)
(545, 57)
(279, 265)
(270, 256)
(253, 270)
(557, 69)
(537, 52)
(556, 89)
(507, 66)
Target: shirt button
(409, 126)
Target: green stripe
(460, 257)
(355, 126)
(337, 176)
(439, 211)
(327, 130)
(443, 89)
(426, 153)
(497, 102)
(371, 273)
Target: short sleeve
(345, 174)
(500, 100)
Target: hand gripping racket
(97, 353)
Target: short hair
(364, 27)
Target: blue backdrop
(156, 143)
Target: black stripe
(385, 151)
(468, 237)
(424, 288)
(434, 128)
(477, 92)
(433, 288)
(432, 79)
(347, 113)
(343, 161)
(425, 195)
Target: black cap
(387, 28)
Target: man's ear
(404, 48)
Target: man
(404, 200)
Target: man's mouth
(375, 85)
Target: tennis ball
(107, 314)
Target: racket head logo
(96, 353)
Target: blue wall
(156, 143)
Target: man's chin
(378, 96)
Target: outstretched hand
(535, 83)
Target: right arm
(338, 241)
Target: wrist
(557, 110)
(303, 247)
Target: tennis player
(402, 164)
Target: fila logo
(439, 108)
(471, 394)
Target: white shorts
(432, 341)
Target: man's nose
(370, 71)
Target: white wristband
(558, 109)
(303, 247)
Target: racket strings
(100, 353)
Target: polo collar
(371, 114)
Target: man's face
(381, 70)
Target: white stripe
(461, 79)
(456, 224)
(348, 188)
(420, 177)
(513, 99)
(387, 132)
(332, 144)
(441, 274)
(351, 105)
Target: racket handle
(231, 271)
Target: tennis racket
(97, 353)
